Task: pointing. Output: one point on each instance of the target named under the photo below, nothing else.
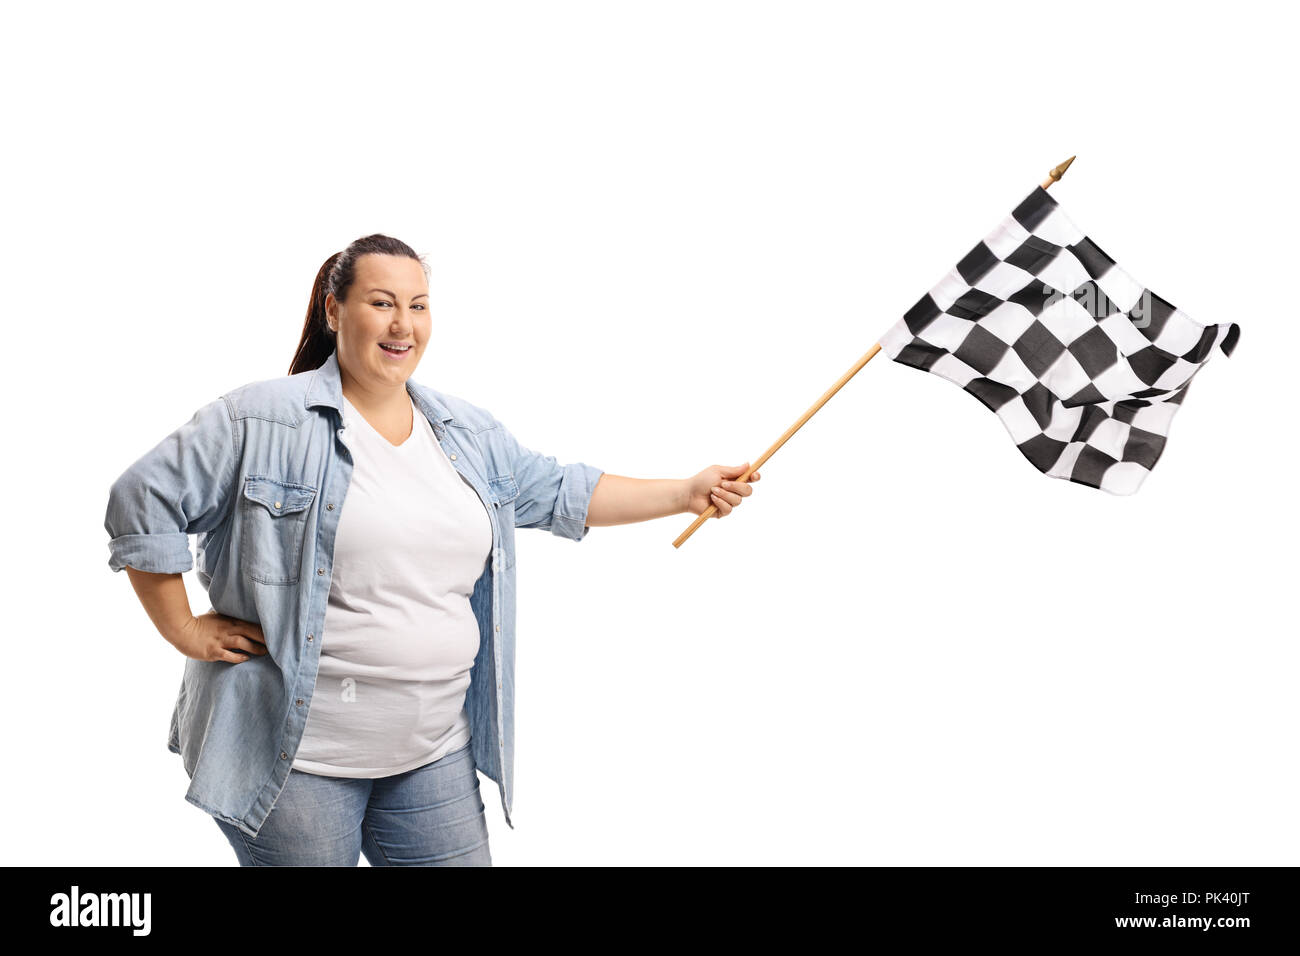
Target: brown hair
(337, 275)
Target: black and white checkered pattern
(1084, 366)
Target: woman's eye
(417, 306)
(381, 302)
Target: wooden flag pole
(754, 466)
(1053, 176)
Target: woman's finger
(739, 487)
(724, 507)
(245, 644)
(255, 637)
(251, 630)
(730, 497)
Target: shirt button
(299, 701)
(498, 627)
(277, 504)
(310, 638)
(330, 506)
(320, 570)
(283, 755)
(453, 456)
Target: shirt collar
(326, 388)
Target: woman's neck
(389, 411)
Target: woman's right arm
(184, 485)
(209, 637)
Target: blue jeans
(429, 816)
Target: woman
(308, 751)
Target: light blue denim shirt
(260, 476)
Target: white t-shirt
(400, 636)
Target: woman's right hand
(216, 637)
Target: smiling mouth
(396, 352)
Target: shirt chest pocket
(504, 491)
(274, 519)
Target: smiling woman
(356, 532)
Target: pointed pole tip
(1059, 171)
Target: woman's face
(388, 304)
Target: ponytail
(318, 339)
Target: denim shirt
(260, 476)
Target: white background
(658, 232)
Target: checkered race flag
(1084, 366)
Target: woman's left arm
(618, 499)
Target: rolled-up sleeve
(552, 496)
(182, 486)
